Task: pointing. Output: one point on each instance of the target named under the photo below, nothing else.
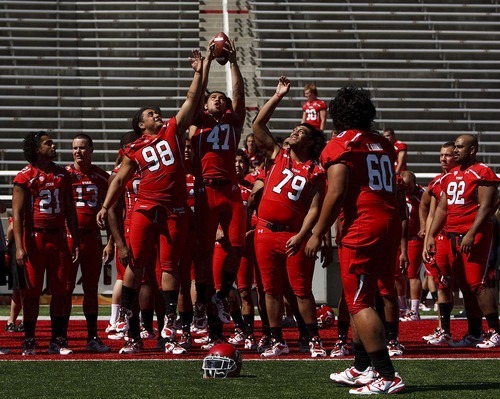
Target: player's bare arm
(72, 222)
(338, 183)
(437, 223)
(262, 135)
(238, 100)
(18, 201)
(487, 198)
(115, 189)
(188, 110)
(293, 244)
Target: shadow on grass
(464, 386)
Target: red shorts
(470, 269)
(275, 266)
(362, 268)
(89, 260)
(245, 276)
(224, 206)
(440, 267)
(161, 227)
(49, 252)
(415, 248)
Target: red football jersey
(460, 187)
(400, 146)
(312, 108)
(256, 159)
(434, 188)
(190, 190)
(89, 191)
(413, 203)
(288, 190)
(46, 193)
(160, 164)
(129, 193)
(214, 147)
(371, 197)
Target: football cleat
(380, 385)
(95, 345)
(145, 334)
(222, 306)
(250, 343)
(434, 334)
(441, 339)
(316, 347)
(202, 340)
(303, 344)
(211, 343)
(468, 340)
(410, 316)
(276, 349)
(238, 338)
(131, 346)
(10, 327)
(491, 340)
(395, 348)
(264, 343)
(123, 318)
(423, 308)
(174, 348)
(340, 349)
(59, 346)
(199, 317)
(353, 377)
(185, 340)
(168, 330)
(29, 347)
(4, 351)
(117, 336)
(19, 327)
(111, 328)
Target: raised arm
(263, 137)
(188, 110)
(238, 95)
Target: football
(220, 53)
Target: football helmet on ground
(223, 361)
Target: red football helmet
(325, 316)
(222, 361)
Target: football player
(89, 186)
(42, 206)
(362, 192)
(291, 200)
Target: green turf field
(260, 379)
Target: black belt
(277, 228)
(47, 230)
(216, 182)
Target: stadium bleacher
(70, 67)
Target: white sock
(115, 309)
(415, 303)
